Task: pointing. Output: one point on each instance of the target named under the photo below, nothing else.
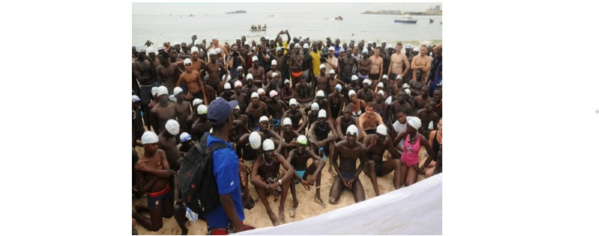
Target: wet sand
(258, 217)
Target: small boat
(338, 18)
(431, 20)
(407, 20)
(254, 30)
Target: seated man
(299, 160)
(376, 144)
(267, 179)
(369, 120)
(348, 152)
(289, 135)
(152, 176)
(318, 134)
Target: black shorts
(370, 131)
(373, 76)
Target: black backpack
(196, 181)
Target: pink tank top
(410, 151)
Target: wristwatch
(280, 182)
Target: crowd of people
(287, 108)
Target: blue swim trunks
(276, 122)
(301, 174)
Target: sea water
(176, 25)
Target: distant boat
(407, 20)
(254, 30)
(237, 12)
(431, 20)
(338, 18)
(191, 15)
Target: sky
(272, 7)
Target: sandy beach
(258, 217)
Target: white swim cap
(315, 106)
(354, 77)
(261, 91)
(227, 86)
(255, 140)
(405, 85)
(254, 95)
(331, 48)
(172, 126)
(332, 71)
(322, 66)
(273, 93)
(287, 121)
(184, 137)
(154, 91)
(236, 108)
(369, 42)
(161, 91)
(263, 118)
(414, 121)
(351, 92)
(408, 46)
(274, 74)
(136, 98)
(381, 84)
(149, 137)
(341, 49)
(320, 93)
(217, 50)
(197, 101)
(381, 129)
(338, 87)
(268, 145)
(365, 50)
(274, 62)
(351, 130)
(240, 68)
(398, 77)
(214, 37)
(297, 45)
(388, 101)
(150, 50)
(286, 81)
(381, 92)
(172, 98)
(408, 92)
(187, 61)
(278, 48)
(249, 76)
(254, 58)
(226, 77)
(385, 77)
(367, 81)
(322, 113)
(211, 52)
(177, 90)
(302, 140)
(306, 46)
(202, 109)
(293, 102)
(238, 84)
(194, 49)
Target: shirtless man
(213, 69)
(167, 141)
(344, 121)
(182, 110)
(348, 152)
(364, 66)
(398, 61)
(267, 179)
(145, 74)
(303, 92)
(152, 174)
(276, 108)
(254, 111)
(369, 120)
(249, 87)
(347, 65)
(151, 106)
(215, 46)
(400, 103)
(366, 93)
(322, 80)
(137, 124)
(376, 145)
(196, 62)
(332, 62)
(322, 102)
(164, 111)
(193, 82)
(273, 70)
(336, 103)
(257, 72)
(186, 143)
(428, 116)
(376, 70)
(201, 125)
(299, 160)
(421, 100)
(275, 83)
(437, 97)
(295, 115)
(239, 95)
(320, 140)
(357, 105)
(422, 61)
(295, 65)
(289, 135)
(417, 83)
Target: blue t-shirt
(226, 173)
(337, 49)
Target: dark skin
(161, 113)
(258, 73)
(288, 134)
(438, 107)
(417, 84)
(137, 122)
(366, 93)
(151, 106)
(295, 63)
(295, 115)
(364, 65)
(318, 142)
(152, 174)
(261, 171)
(347, 64)
(410, 174)
(213, 71)
(182, 109)
(299, 159)
(249, 88)
(345, 121)
(421, 100)
(336, 98)
(191, 119)
(143, 71)
(303, 92)
(199, 127)
(254, 111)
(376, 145)
(348, 152)
(322, 81)
(168, 143)
(427, 115)
(193, 81)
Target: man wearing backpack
(226, 171)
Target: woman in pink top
(409, 158)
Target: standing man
(193, 82)
(376, 70)
(182, 110)
(422, 61)
(213, 69)
(347, 65)
(162, 112)
(398, 61)
(144, 74)
(332, 61)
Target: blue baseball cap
(219, 110)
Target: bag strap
(216, 146)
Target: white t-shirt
(400, 128)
